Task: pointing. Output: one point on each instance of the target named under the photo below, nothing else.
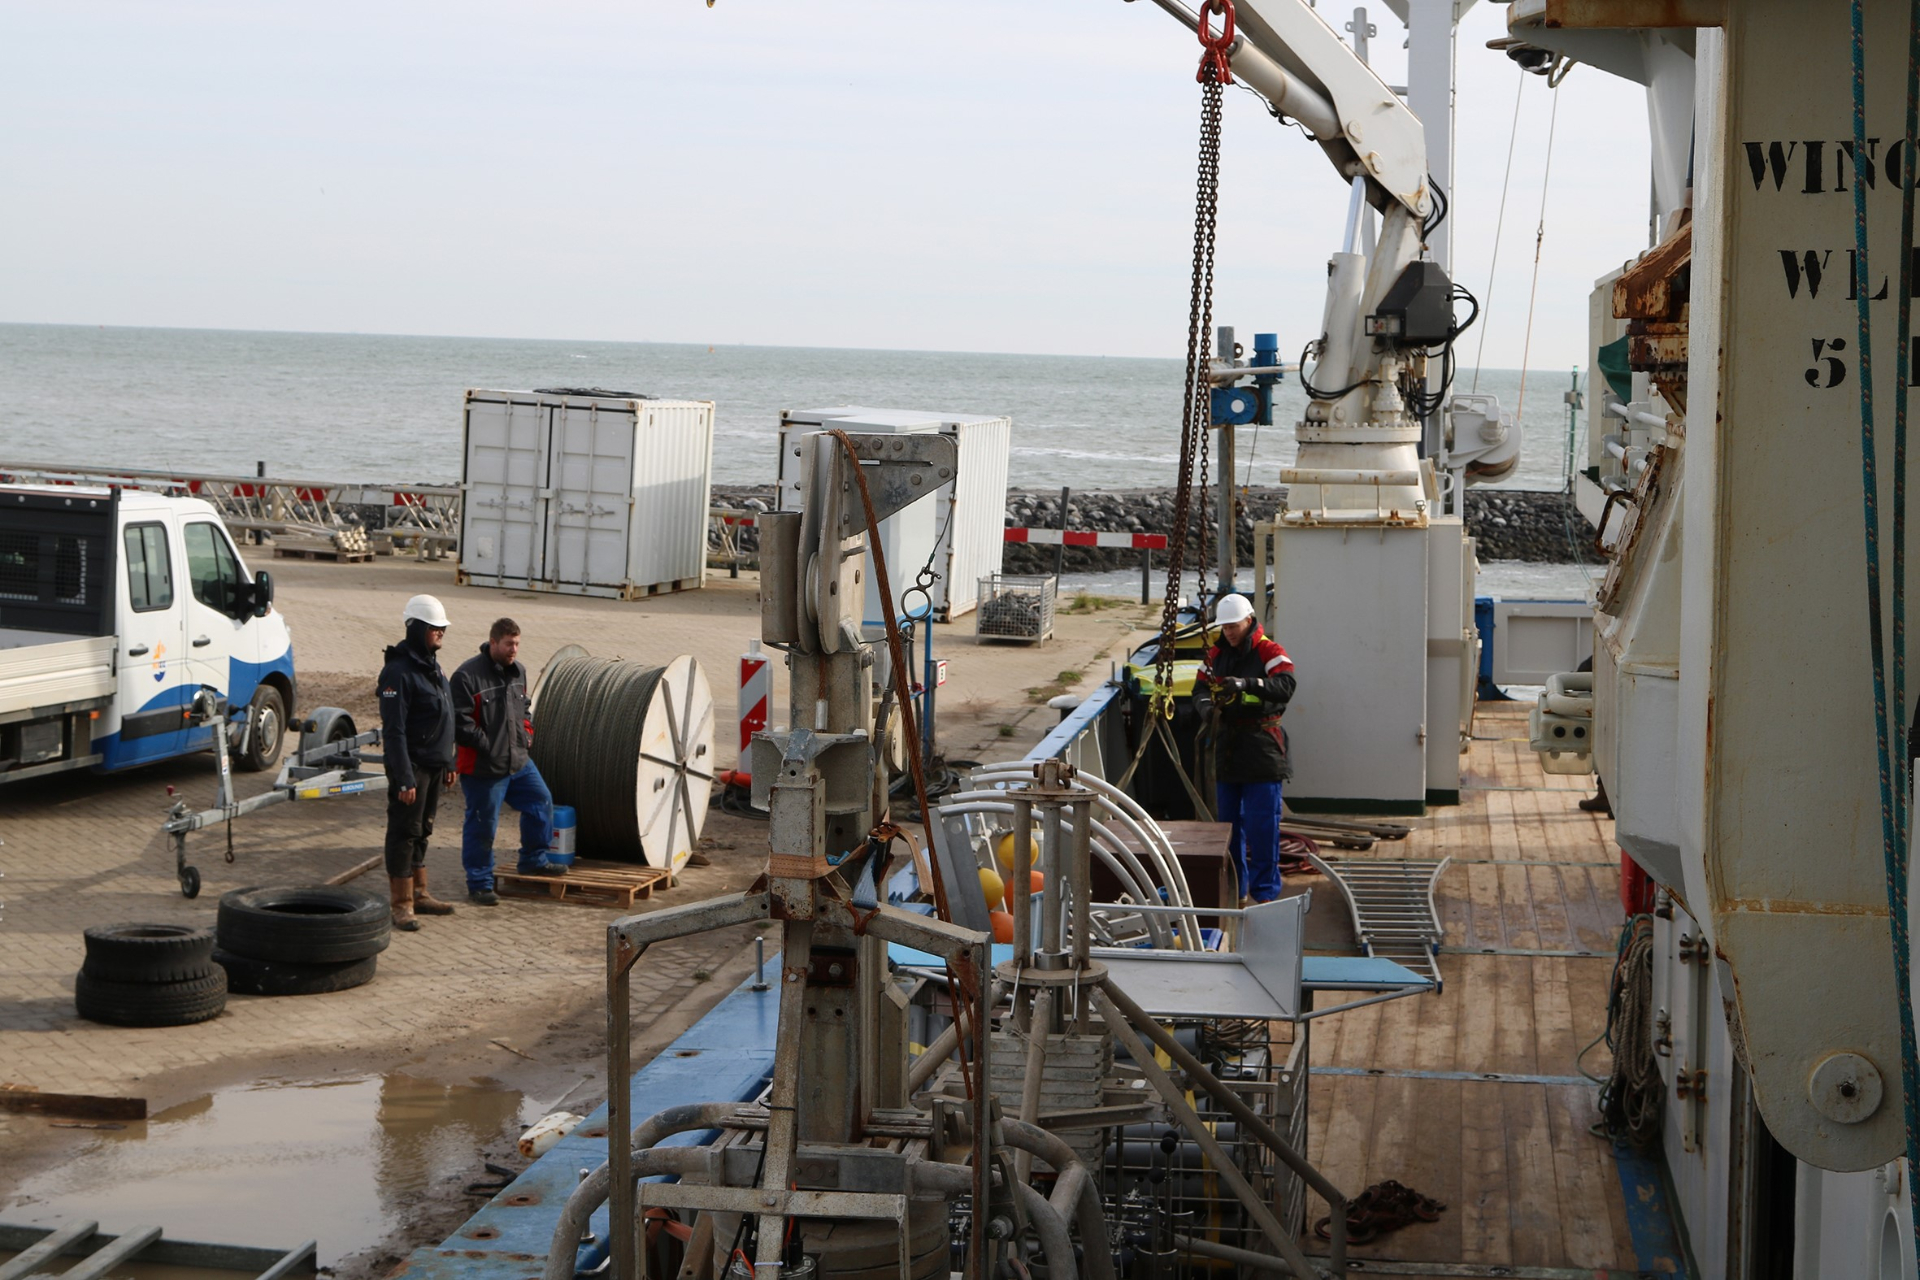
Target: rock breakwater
(1509, 524)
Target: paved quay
(78, 849)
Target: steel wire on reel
(597, 741)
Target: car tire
(266, 730)
(304, 924)
(150, 1004)
(248, 976)
(136, 952)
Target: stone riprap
(1510, 524)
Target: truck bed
(51, 668)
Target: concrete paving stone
(79, 849)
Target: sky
(968, 175)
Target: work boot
(425, 903)
(483, 897)
(539, 865)
(402, 896)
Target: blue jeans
(526, 792)
(1254, 810)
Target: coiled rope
(587, 729)
(1631, 1098)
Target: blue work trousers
(525, 792)
(1254, 810)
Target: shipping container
(585, 493)
(958, 532)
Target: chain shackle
(1213, 63)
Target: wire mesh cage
(1016, 606)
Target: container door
(153, 684)
(218, 607)
(592, 503)
(503, 516)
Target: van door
(218, 607)
(154, 686)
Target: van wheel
(266, 730)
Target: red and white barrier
(756, 690)
(1088, 538)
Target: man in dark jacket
(1249, 680)
(493, 725)
(416, 715)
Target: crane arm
(1285, 51)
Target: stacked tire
(149, 975)
(301, 940)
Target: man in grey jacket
(493, 731)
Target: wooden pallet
(318, 551)
(586, 884)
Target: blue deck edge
(727, 1056)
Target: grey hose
(588, 1196)
(1074, 1191)
(649, 1160)
(1052, 1229)
(1106, 846)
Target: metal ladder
(39, 1250)
(1392, 904)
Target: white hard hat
(1232, 609)
(424, 609)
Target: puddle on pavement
(278, 1162)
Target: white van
(116, 608)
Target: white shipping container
(585, 494)
(960, 527)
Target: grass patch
(1069, 677)
(1087, 602)
(1007, 731)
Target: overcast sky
(982, 175)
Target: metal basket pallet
(1015, 606)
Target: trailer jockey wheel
(189, 882)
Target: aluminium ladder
(1392, 904)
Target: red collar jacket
(1250, 745)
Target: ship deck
(1473, 1096)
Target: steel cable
(1892, 802)
(587, 729)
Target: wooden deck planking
(1525, 1182)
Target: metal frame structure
(426, 515)
(329, 763)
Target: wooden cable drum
(630, 747)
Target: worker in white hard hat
(416, 715)
(1248, 680)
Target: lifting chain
(1195, 410)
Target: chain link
(1195, 411)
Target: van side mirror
(262, 593)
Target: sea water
(384, 408)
